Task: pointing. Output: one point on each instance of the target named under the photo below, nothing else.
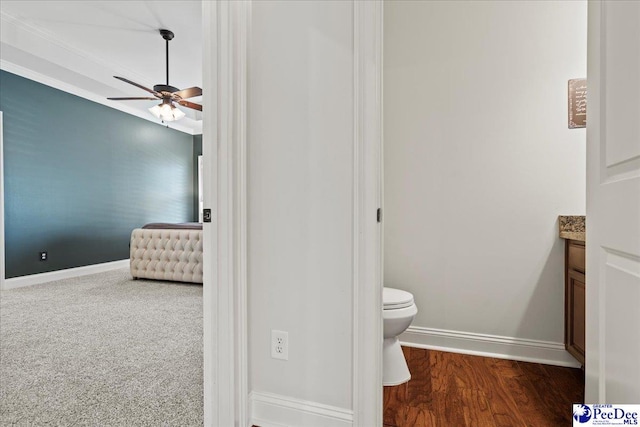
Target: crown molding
(74, 90)
(13, 25)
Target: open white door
(613, 203)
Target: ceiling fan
(166, 110)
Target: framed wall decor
(577, 103)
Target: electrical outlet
(280, 345)
(43, 256)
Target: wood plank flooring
(449, 389)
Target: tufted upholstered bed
(167, 252)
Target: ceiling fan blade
(188, 93)
(132, 98)
(188, 104)
(138, 85)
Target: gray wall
(300, 200)
(479, 162)
(79, 176)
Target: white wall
(300, 166)
(479, 162)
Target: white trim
(272, 410)
(24, 35)
(225, 28)
(526, 350)
(68, 273)
(595, 303)
(367, 193)
(210, 251)
(74, 90)
(242, 21)
(2, 261)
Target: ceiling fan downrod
(167, 35)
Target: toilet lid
(393, 299)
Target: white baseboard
(546, 352)
(36, 279)
(272, 410)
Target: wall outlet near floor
(279, 344)
(43, 256)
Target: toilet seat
(394, 299)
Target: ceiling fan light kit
(166, 110)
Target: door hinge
(379, 215)
(206, 215)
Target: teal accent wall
(79, 176)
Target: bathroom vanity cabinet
(574, 315)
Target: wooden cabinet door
(575, 309)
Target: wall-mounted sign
(577, 103)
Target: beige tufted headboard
(166, 254)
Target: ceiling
(78, 46)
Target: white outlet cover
(279, 344)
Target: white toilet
(397, 314)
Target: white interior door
(613, 203)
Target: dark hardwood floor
(449, 389)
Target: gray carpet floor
(101, 350)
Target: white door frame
(226, 26)
(368, 190)
(2, 260)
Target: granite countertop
(572, 227)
